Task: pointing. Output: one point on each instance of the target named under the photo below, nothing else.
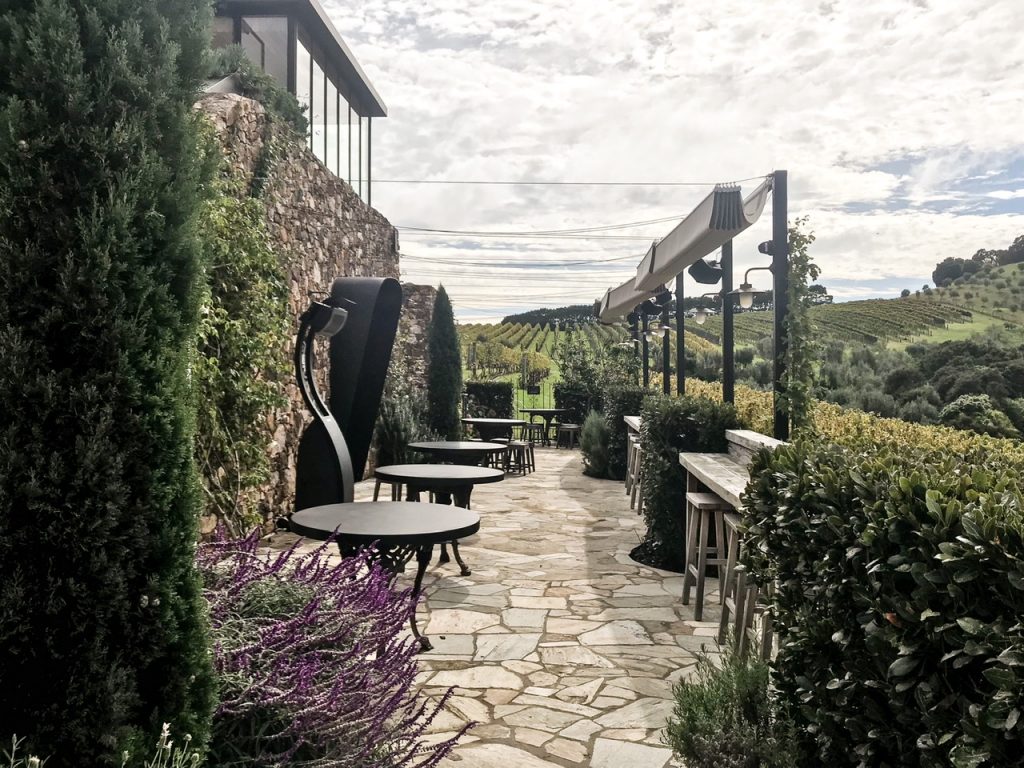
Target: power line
(526, 264)
(570, 231)
(528, 236)
(522, 183)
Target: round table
(400, 529)
(448, 482)
(466, 452)
(488, 429)
(547, 414)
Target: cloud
(897, 121)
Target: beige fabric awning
(619, 302)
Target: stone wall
(321, 230)
(417, 310)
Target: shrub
(594, 445)
(899, 587)
(672, 425)
(444, 370)
(489, 399)
(102, 177)
(578, 399)
(257, 84)
(977, 413)
(725, 717)
(619, 402)
(315, 668)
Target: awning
(619, 302)
(720, 217)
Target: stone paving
(562, 648)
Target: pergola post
(780, 271)
(728, 344)
(634, 335)
(645, 347)
(666, 352)
(680, 339)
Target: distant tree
(103, 174)
(444, 371)
(818, 294)
(979, 414)
(902, 379)
(1015, 253)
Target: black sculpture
(334, 447)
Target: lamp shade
(700, 316)
(706, 272)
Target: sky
(899, 122)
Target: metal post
(645, 347)
(780, 270)
(666, 352)
(634, 333)
(680, 339)
(728, 356)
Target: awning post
(728, 343)
(780, 271)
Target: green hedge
(577, 399)
(489, 399)
(899, 595)
(672, 425)
(594, 445)
(619, 402)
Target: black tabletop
(496, 422)
(458, 446)
(391, 522)
(439, 475)
(542, 411)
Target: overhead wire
(539, 183)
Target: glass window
(344, 153)
(354, 125)
(318, 113)
(332, 131)
(265, 40)
(223, 31)
(364, 166)
(303, 77)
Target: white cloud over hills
(898, 120)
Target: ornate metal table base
(393, 558)
(462, 496)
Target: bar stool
(634, 443)
(569, 432)
(636, 480)
(703, 511)
(517, 457)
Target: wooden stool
(703, 511)
(516, 459)
(636, 479)
(634, 444)
(569, 432)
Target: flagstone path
(561, 648)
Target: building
(295, 42)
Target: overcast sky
(900, 122)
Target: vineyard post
(728, 342)
(780, 271)
(680, 339)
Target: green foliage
(899, 587)
(724, 717)
(402, 418)
(620, 401)
(444, 371)
(577, 313)
(578, 399)
(978, 413)
(594, 437)
(489, 399)
(801, 352)
(672, 425)
(240, 367)
(258, 85)
(102, 177)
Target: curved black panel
(360, 355)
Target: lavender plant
(314, 668)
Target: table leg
(461, 497)
(444, 496)
(423, 555)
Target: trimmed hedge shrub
(899, 578)
(594, 445)
(672, 425)
(577, 399)
(489, 399)
(619, 402)
(444, 370)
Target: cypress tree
(102, 631)
(444, 371)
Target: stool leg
(702, 564)
(720, 549)
(691, 552)
(740, 610)
(730, 566)
(376, 490)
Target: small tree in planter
(444, 372)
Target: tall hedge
(899, 591)
(620, 401)
(444, 371)
(670, 426)
(102, 634)
(577, 399)
(489, 399)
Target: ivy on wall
(241, 365)
(802, 350)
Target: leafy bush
(444, 370)
(314, 665)
(578, 399)
(402, 417)
(103, 172)
(489, 399)
(618, 402)
(977, 413)
(725, 717)
(899, 591)
(672, 425)
(258, 85)
(594, 445)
